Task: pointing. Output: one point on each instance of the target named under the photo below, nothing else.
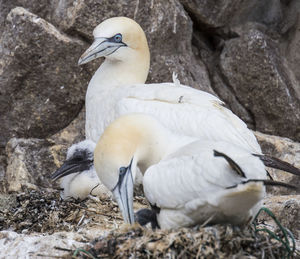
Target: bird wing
(187, 111)
(193, 176)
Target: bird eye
(122, 170)
(118, 38)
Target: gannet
(118, 87)
(79, 178)
(187, 180)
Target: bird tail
(245, 196)
(240, 203)
(268, 161)
(276, 163)
(236, 200)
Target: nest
(217, 241)
(45, 212)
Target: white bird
(118, 88)
(79, 179)
(187, 180)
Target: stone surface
(30, 163)
(167, 26)
(73, 133)
(212, 13)
(262, 82)
(286, 150)
(287, 210)
(14, 245)
(2, 170)
(292, 45)
(42, 88)
(222, 13)
(216, 22)
(36, 7)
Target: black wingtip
(276, 163)
(233, 164)
(268, 183)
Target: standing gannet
(118, 88)
(187, 180)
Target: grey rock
(223, 13)
(287, 211)
(212, 13)
(286, 150)
(41, 87)
(30, 163)
(167, 26)
(262, 82)
(227, 95)
(292, 46)
(7, 201)
(42, 8)
(73, 133)
(14, 245)
(2, 171)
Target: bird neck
(132, 70)
(138, 138)
(132, 137)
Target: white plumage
(189, 186)
(118, 88)
(83, 183)
(182, 175)
(182, 109)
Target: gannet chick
(80, 178)
(187, 180)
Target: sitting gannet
(80, 179)
(187, 180)
(118, 87)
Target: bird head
(79, 159)
(118, 39)
(131, 141)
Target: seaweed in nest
(45, 212)
(219, 241)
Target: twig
(80, 221)
(53, 256)
(96, 212)
(63, 249)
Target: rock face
(36, 245)
(262, 82)
(247, 52)
(287, 211)
(256, 82)
(291, 46)
(286, 150)
(212, 14)
(30, 163)
(41, 84)
(252, 59)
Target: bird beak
(123, 193)
(71, 166)
(101, 47)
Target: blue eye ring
(118, 38)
